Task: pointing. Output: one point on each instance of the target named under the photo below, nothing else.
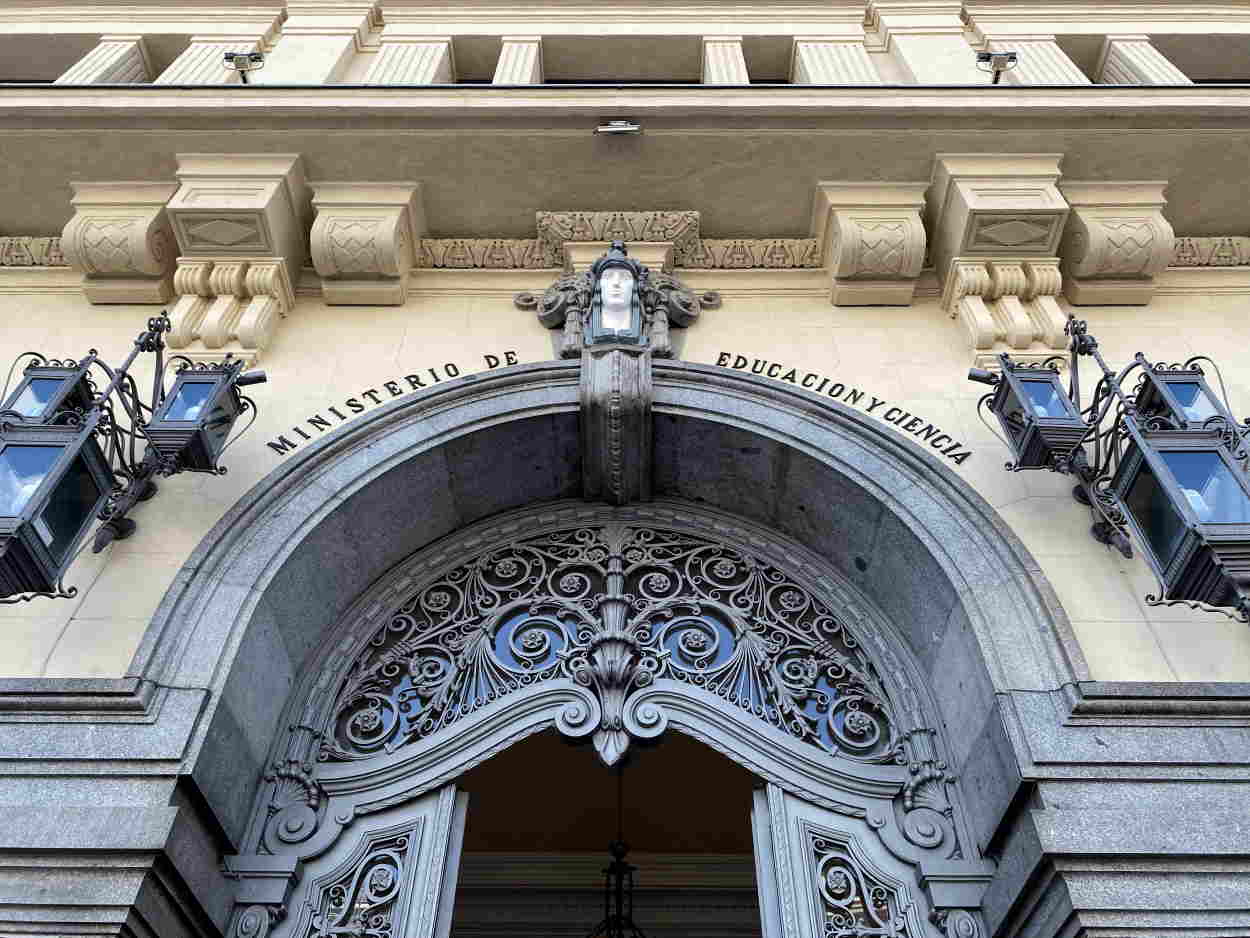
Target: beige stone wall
(910, 358)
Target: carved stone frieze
(872, 240)
(681, 228)
(120, 240)
(1206, 252)
(364, 240)
(1116, 242)
(29, 251)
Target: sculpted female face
(616, 285)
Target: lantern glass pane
(218, 425)
(1194, 401)
(190, 401)
(36, 396)
(22, 469)
(1209, 486)
(1045, 398)
(1155, 514)
(73, 500)
(1014, 417)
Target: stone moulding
(31, 251)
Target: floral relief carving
(363, 900)
(614, 608)
(853, 902)
(26, 251)
(1207, 252)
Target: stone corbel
(240, 220)
(872, 240)
(120, 240)
(1007, 306)
(996, 221)
(1116, 242)
(228, 306)
(364, 240)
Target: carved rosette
(1116, 242)
(120, 240)
(364, 240)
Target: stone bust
(616, 302)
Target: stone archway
(276, 574)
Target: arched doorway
(868, 510)
(617, 626)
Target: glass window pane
(1209, 485)
(189, 402)
(1013, 415)
(22, 468)
(1045, 399)
(1196, 404)
(1155, 514)
(71, 505)
(217, 426)
(37, 394)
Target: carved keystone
(1116, 242)
(120, 240)
(365, 240)
(872, 240)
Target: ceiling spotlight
(244, 62)
(997, 63)
(619, 126)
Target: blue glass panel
(1196, 404)
(1157, 517)
(1045, 399)
(189, 402)
(36, 396)
(22, 468)
(70, 506)
(1209, 486)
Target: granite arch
(974, 611)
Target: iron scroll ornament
(614, 608)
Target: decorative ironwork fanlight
(1166, 461)
(69, 454)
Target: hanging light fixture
(1165, 461)
(69, 454)
(618, 881)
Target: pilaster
(1115, 243)
(1040, 62)
(927, 38)
(318, 41)
(120, 240)
(116, 60)
(520, 61)
(1133, 60)
(240, 220)
(996, 221)
(412, 60)
(832, 60)
(364, 240)
(872, 240)
(723, 61)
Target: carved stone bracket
(1007, 306)
(364, 240)
(228, 306)
(265, 883)
(616, 427)
(996, 223)
(240, 220)
(121, 242)
(872, 240)
(1116, 242)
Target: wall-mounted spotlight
(996, 63)
(244, 62)
(619, 125)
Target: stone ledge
(34, 695)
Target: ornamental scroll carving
(121, 241)
(614, 608)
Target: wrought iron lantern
(48, 386)
(69, 455)
(192, 425)
(1165, 462)
(53, 482)
(1041, 423)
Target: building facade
(617, 474)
